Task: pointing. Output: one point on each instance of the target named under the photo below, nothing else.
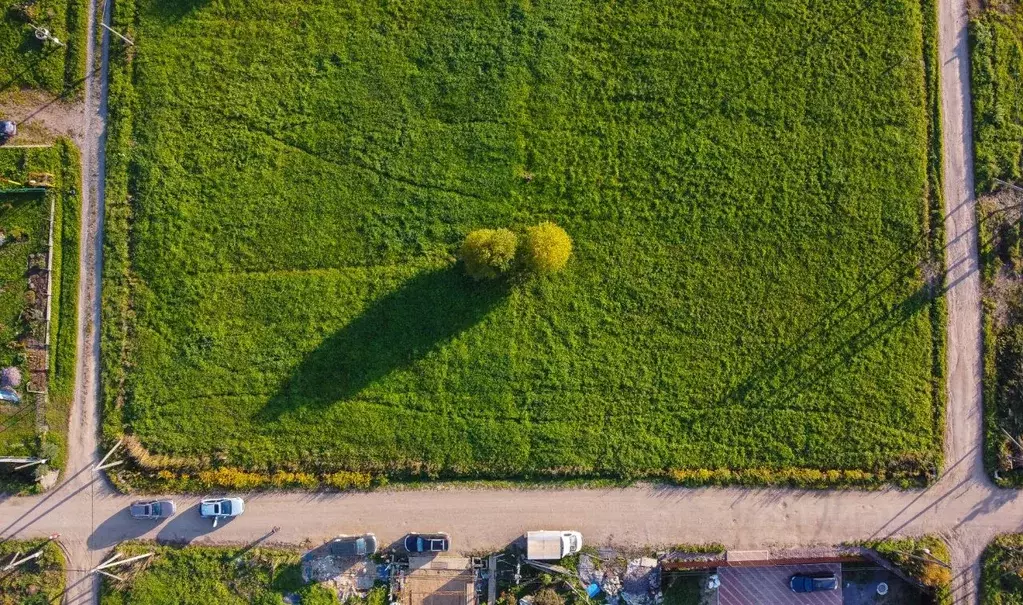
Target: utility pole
(1009, 185)
(928, 559)
(43, 35)
(23, 462)
(117, 33)
(101, 466)
(116, 560)
(15, 562)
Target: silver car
(152, 509)
(219, 508)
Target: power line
(822, 38)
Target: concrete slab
(769, 585)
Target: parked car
(427, 543)
(802, 582)
(219, 508)
(152, 509)
(354, 546)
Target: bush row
(489, 253)
(236, 479)
(795, 477)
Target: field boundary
(989, 207)
(155, 472)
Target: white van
(547, 545)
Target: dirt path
(82, 483)
(964, 432)
(963, 506)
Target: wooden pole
(1009, 185)
(116, 33)
(15, 562)
(100, 466)
(112, 562)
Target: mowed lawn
(745, 183)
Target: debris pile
(347, 576)
(632, 581)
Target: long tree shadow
(395, 331)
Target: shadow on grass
(172, 11)
(395, 331)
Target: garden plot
(753, 278)
(37, 349)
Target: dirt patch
(42, 117)
(346, 576)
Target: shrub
(231, 478)
(546, 248)
(344, 480)
(935, 575)
(488, 252)
(548, 596)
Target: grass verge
(996, 40)
(40, 581)
(200, 575)
(1001, 582)
(916, 558)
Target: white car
(219, 508)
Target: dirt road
(963, 506)
(964, 432)
(81, 488)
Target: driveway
(769, 585)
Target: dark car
(152, 509)
(813, 582)
(353, 546)
(427, 543)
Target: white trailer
(547, 545)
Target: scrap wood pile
(634, 581)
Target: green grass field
(996, 37)
(201, 575)
(38, 582)
(26, 215)
(27, 62)
(746, 184)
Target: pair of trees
(490, 253)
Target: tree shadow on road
(187, 526)
(118, 528)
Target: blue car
(427, 543)
(802, 582)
